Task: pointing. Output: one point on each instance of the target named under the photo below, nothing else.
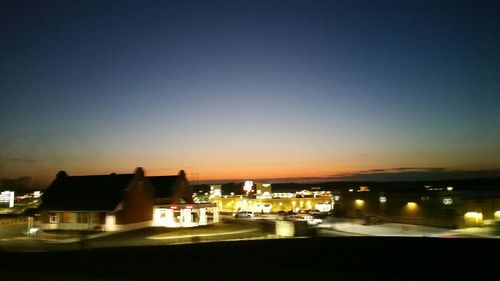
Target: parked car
(310, 219)
(281, 215)
(314, 212)
(243, 214)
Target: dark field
(342, 258)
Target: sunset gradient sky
(247, 89)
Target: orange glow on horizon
(44, 173)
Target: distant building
(37, 194)
(432, 206)
(120, 201)
(215, 191)
(263, 190)
(265, 201)
(479, 207)
(7, 198)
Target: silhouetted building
(121, 201)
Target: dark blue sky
(230, 89)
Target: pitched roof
(163, 185)
(85, 193)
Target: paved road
(17, 242)
(388, 229)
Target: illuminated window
(95, 218)
(65, 217)
(82, 218)
(53, 218)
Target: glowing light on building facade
(7, 197)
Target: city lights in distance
(447, 201)
(248, 186)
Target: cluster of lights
(361, 189)
(497, 215)
(476, 217)
(303, 193)
(283, 195)
(248, 186)
(447, 201)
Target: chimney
(139, 171)
(61, 174)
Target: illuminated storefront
(274, 205)
(185, 215)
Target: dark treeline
(227, 188)
(20, 185)
(466, 184)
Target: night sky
(248, 89)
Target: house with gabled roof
(171, 189)
(174, 205)
(121, 201)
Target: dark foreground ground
(339, 258)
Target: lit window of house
(53, 218)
